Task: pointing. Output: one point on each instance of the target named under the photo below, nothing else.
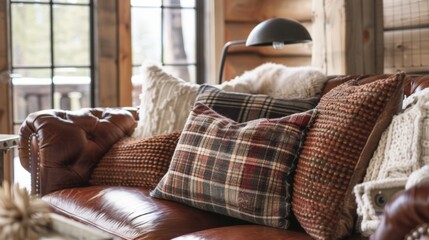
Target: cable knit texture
(404, 146)
(165, 102)
(403, 150)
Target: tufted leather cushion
(69, 144)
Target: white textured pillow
(402, 151)
(279, 81)
(404, 146)
(166, 102)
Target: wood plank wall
(406, 33)
(349, 36)
(241, 16)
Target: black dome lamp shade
(275, 31)
(278, 30)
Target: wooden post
(106, 54)
(349, 37)
(125, 53)
(5, 89)
(5, 94)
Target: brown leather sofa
(61, 148)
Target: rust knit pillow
(337, 150)
(136, 162)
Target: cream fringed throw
(402, 150)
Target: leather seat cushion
(130, 213)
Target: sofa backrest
(413, 83)
(54, 157)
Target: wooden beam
(335, 36)
(319, 51)
(106, 48)
(215, 38)
(6, 122)
(349, 37)
(379, 36)
(5, 89)
(125, 53)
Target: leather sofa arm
(405, 214)
(61, 148)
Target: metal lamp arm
(223, 56)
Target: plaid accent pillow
(241, 170)
(136, 162)
(242, 107)
(337, 150)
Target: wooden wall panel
(407, 50)
(241, 16)
(259, 10)
(237, 64)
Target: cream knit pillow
(402, 150)
(166, 102)
(404, 146)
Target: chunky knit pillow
(241, 170)
(136, 162)
(402, 150)
(407, 137)
(166, 101)
(337, 150)
(242, 107)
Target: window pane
(72, 88)
(30, 36)
(146, 34)
(72, 1)
(146, 3)
(137, 86)
(179, 36)
(36, 1)
(187, 73)
(179, 3)
(71, 35)
(31, 91)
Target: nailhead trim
(418, 233)
(37, 170)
